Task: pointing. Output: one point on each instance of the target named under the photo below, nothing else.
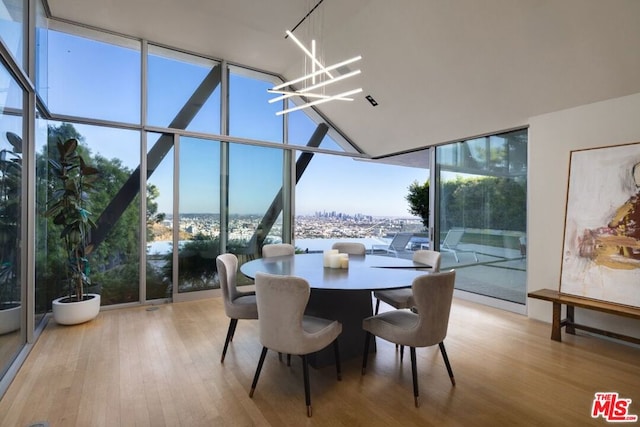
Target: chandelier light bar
(307, 95)
(315, 73)
(310, 88)
(341, 96)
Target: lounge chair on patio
(398, 244)
(451, 242)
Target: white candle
(334, 261)
(326, 255)
(344, 260)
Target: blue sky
(86, 82)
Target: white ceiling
(441, 70)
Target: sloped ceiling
(441, 70)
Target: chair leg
(377, 306)
(336, 350)
(446, 362)
(414, 374)
(258, 369)
(401, 352)
(233, 331)
(230, 331)
(307, 389)
(367, 339)
(288, 359)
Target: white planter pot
(72, 313)
(10, 319)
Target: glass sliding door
(159, 215)
(199, 215)
(481, 219)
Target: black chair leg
(367, 339)
(414, 374)
(401, 352)
(307, 389)
(258, 369)
(447, 364)
(230, 332)
(233, 331)
(288, 360)
(377, 306)
(336, 350)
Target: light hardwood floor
(135, 367)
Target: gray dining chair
(277, 249)
(284, 328)
(403, 298)
(433, 295)
(237, 304)
(351, 248)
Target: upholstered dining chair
(403, 298)
(433, 294)
(237, 304)
(284, 328)
(351, 248)
(277, 249)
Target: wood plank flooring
(140, 367)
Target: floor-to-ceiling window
(12, 309)
(123, 98)
(481, 216)
(115, 201)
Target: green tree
(484, 203)
(153, 217)
(418, 199)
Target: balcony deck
(160, 367)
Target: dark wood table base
(349, 308)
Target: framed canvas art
(601, 251)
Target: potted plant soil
(69, 208)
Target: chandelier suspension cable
(305, 17)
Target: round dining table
(342, 294)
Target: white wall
(551, 138)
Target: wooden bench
(572, 301)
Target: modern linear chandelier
(317, 78)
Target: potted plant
(10, 203)
(68, 207)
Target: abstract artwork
(601, 251)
